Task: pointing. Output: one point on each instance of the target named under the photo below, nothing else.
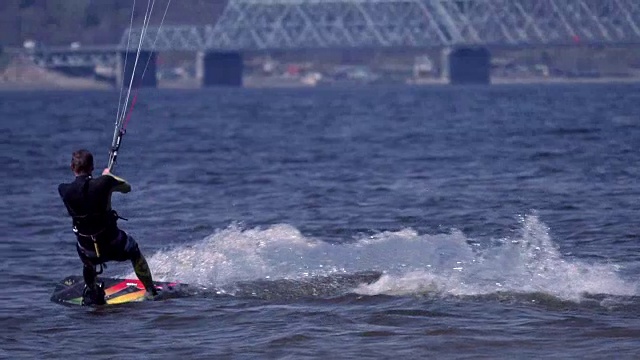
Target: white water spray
(412, 263)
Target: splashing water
(528, 264)
(445, 264)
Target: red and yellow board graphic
(117, 291)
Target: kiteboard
(117, 291)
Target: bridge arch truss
(249, 25)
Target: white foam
(413, 263)
(528, 264)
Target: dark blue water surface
(503, 221)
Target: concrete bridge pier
(467, 65)
(219, 69)
(444, 64)
(124, 71)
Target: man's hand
(106, 171)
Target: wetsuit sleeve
(62, 190)
(118, 184)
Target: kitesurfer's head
(82, 162)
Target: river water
(422, 222)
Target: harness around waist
(92, 225)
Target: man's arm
(121, 184)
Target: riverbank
(19, 74)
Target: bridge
(465, 29)
(86, 56)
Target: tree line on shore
(95, 22)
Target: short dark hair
(82, 162)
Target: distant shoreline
(20, 74)
(87, 84)
(602, 80)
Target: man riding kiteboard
(88, 202)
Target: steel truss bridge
(90, 56)
(250, 25)
(262, 25)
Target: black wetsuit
(88, 202)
